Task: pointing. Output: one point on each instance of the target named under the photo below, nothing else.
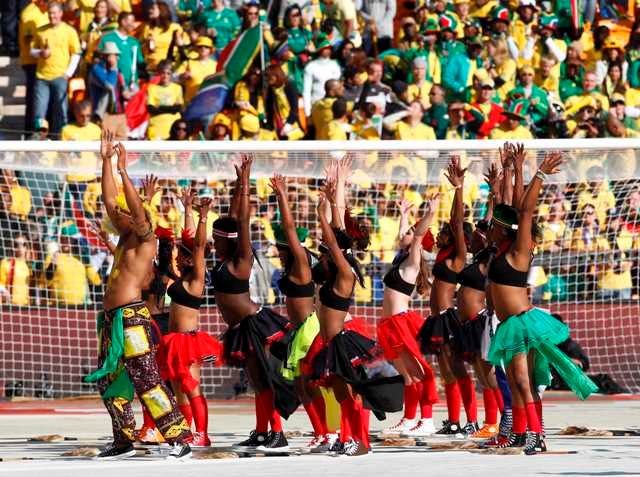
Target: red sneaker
(200, 439)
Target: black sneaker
(179, 451)
(354, 448)
(515, 440)
(450, 428)
(534, 444)
(337, 447)
(506, 422)
(255, 439)
(276, 442)
(113, 452)
(470, 428)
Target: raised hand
(493, 178)
(187, 197)
(551, 163)
(245, 167)
(150, 187)
(344, 166)
(455, 173)
(331, 171)
(106, 145)
(279, 184)
(329, 191)
(122, 156)
(204, 206)
(432, 201)
(518, 155)
(405, 207)
(505, 155)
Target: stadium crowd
(331, 69)
(326, 69)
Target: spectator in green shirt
(222, 21)
(130, 61)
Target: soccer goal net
(53, 265)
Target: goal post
(53, 267)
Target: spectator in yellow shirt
(20, 200)
(67, 276)
(339, 128)
(32, 17)
(83, 164)
(511, 127)
(250, 130)
(420, 88)
(321, 113)
(193, 72)
(158, 34)
(15, 273)
(57, 48)
(164, 103)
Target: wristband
(541, 175)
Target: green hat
(501, 14)
(281, 238)
(549, 21)
(448, 22)
(472, 22)
(431, 26)
(69, 229)
(505, 216)
(321, 42)
(518, 108)
(474, 40)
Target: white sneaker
(325, 444)
(424, 428)
(403, 426)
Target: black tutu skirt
(344, 356)
(468, 339)
(439, 330)
(265, 327)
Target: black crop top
(293, 290)
(181, 296)
(224, 281)
(502, 273)
(472, 277)
(394, 280)
(329, 298)
(444, 273)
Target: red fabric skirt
(306, 364)
(180, 350)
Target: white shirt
(316, 74)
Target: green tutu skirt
(538, 330)
(299, 345)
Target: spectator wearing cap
(107, 88)
(511, 127)
(420, 87)
(380, 14)
(545, 78)
(223, 23)
(344, 16)
(250, 130)
(67, 277)
(522, 28)
(491, 112)
(41, 130)
(281, 105)
(15, 273)
(32, 17)
(449, 47)
(57, 48)
(321, 114)
(318, 72)
(437, 115)
(585, 122)
(589, 90)
(220, 128)
(458, 75)
(192, 72)
(500, 21)
(130, 61)
(159, 34)
(544, 42)
(537, 97)
(612, 53)
(616, 128)
(619, 110)
(164, 103)
(339, 128)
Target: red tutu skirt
(180, 350)
(399, 332)
(306, 364)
